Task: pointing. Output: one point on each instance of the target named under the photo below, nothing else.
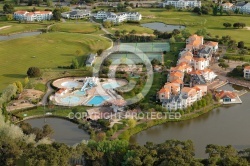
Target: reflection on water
(222, 126)
(19, 35)
(64, 130)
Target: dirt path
(5, 27)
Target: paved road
(49, 91)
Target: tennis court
(144, 47)
(133, 53)
(130, 58)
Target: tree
(197, 10)
(26, 81)
(243, 52)
(202, 32)
(47, 130)
(232, 44)
(99, 52)
(227, 25)
(172, 40)
(8, 8)
(34, 72)
(57, 14)
(241, 44)
(176, 32)
(215, 10)
(155, 62)
(131, 123)
(117, 34)
(221, 10)
(185, 33)
(9, 17)
(169, 7)
(223, 65)
(236, 25)
(49, 3)
(133, 32)
(19, 86)
(107, 24)
(75, 64)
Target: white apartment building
(33, 16)
(118, 18)
(183, 3)
(76, 14)
(247, 72)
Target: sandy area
(248, 28)
(24, 99)
(5, 27)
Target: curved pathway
(49, 91)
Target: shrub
(34, 72)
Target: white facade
(200, 63)
(33, 16)
(76, 14)
(183, 3)
(247, 72)
(118, 18)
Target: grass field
(77, 27)
(15, 27)
(44, 51)
(129, 27)
(195, 22)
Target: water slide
(85, 84)
(91, 81)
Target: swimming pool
(79, 93)
(111, 85)
(97, 100)
(70, 100)
(70, 84)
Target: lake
(162, 27)
(19, 35)
(223, 126)
(64, 130)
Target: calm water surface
(19, 35)
(64, 130)
(162, 27)
(223, 126)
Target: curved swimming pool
(70, 100)
(97, 100)
(111, 85)
(70, 84)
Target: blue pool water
(112, 85)
(70, 100)
(70, 84)
(80, 93)
(97, 100)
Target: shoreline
(148, 124)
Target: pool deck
(97, 90)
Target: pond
(162, 27)
(19, 35)
(223, 126)
(64, 130)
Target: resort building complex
(118, 18)
(76, 14)
(182, 3)
(187, 82)
(33, 16)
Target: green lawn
(195, 22)
(44, 51)
(15, 27)
(129, 27)
(77, 27)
